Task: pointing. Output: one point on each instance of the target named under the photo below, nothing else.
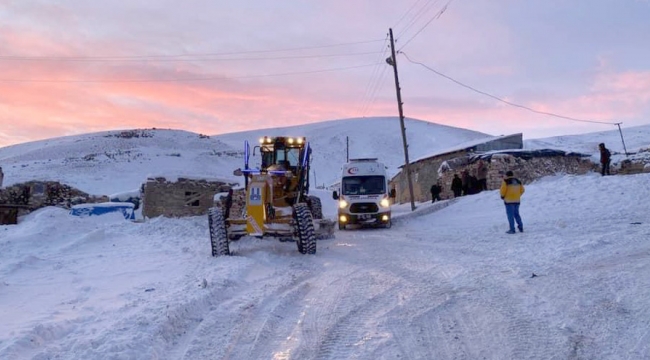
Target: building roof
(463, 146)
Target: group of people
(511, 188)
(468, 184)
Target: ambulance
(363, 195)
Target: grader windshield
(281, 153)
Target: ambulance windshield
(363, 185)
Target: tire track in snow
(344, 339)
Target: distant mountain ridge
(114, 161)
(108, 162)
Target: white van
(363, 196)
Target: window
(363, 185)
(192, 198)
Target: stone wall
(527, 170)
(426, 173)
(33, 195)
(185, 197)
(629, 167)
(38, 194)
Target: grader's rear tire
(305, 228)
(218, 235)
(316, 207)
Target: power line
(187, 79)
(436, 16)
(406, 13)
(198, 59)
(369, 90)
(380, 81)
(423, 10)
(144, 57)
(502, 100)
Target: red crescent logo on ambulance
(353, 170)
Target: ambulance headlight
(343, 204)
(384, 203)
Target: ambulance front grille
(363, 208)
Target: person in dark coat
(481, 175)
(436, 189)
(457, 186)
(472, 185)
(605, 159)
(464, 180)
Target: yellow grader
(278, 203)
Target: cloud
(478, 43)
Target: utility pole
(622, 140)
(392, 61)
(347, 149)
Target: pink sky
(67, 69)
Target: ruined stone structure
(424, 171)
(527, 166)
(183, 197)
(20, 199)
(629, 167)
(637, 163)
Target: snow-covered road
(447, 284)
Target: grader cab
(278, 203)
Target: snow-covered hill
(112, 163)
(116, 161)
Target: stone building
(424, 171)
(180, 197)
(23, 198)
(527, 165)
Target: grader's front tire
(305, 228)
(218, 234)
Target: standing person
(456, 185)
(2, 176)
(435, 191)
(511, 191)
(464, 179)
(481, 175)
(605, 159)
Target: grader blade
(324, 228)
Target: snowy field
(445, 282)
